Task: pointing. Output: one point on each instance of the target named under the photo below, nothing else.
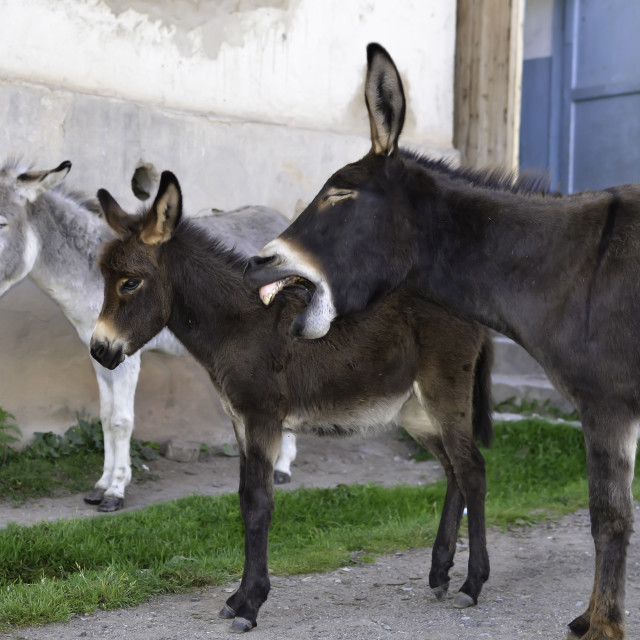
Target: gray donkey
(54, 236)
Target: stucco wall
(247, 101)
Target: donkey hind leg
(416, 422)
(610, 463)
(288, 452)
(259, 445)
(450, 412)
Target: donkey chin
(108, 353)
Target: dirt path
(541, 576)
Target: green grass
(52, 462)
(49, 571)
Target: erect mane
(203, 241)
(496, 179)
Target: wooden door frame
(488, 82)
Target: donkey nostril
(98, 349)
(259, 261)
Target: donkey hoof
(227, 613)
(579, 626)
(241, 625)
(280, 477)
(440, 592)
(94, 496)
(111, 503)
(462, 601)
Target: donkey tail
(482, 412)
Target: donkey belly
(358, 417)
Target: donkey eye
(131, 284)
(338, 194)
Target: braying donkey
(54, 236)
(409, 362)
(559, 275)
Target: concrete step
(516, 374)
(511, 359)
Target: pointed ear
(385, 100)
(165, 212)
(33, 183)
(120, 221)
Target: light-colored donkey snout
(106, 347)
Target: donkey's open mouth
(269, 291)
(278, 267)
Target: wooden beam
(488, 79)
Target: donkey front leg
(117, 388)
(611, 450)
(258, 454)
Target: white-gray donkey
(54, 236)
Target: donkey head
(339, 243)
(19, 245)
(137, 298)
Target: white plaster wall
(292, 62)
(247, 101)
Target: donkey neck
(505, 259)
(207, 295)
(69, 236)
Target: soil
(541, 576)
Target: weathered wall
(247, 101)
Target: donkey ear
(33, 183)
(385, 100)
(120, 221)
(165, 212)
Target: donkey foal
(408, 362)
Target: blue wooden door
(592, 104)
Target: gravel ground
(541, 576)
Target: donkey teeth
(268, 292)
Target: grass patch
(51, 570)
(70, 462)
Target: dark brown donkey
(559, 275)
(409, 361)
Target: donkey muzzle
(107, 354)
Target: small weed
(9, 432)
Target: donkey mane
(206, 244)
(200, 241)
(495, 179)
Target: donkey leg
(471, 475)
(610, 464)
(416, 422)
(256, 503)
(470, 488)
(448, 409)
(288, 452)
(125, 379)
(105, 389)
(444, 546)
